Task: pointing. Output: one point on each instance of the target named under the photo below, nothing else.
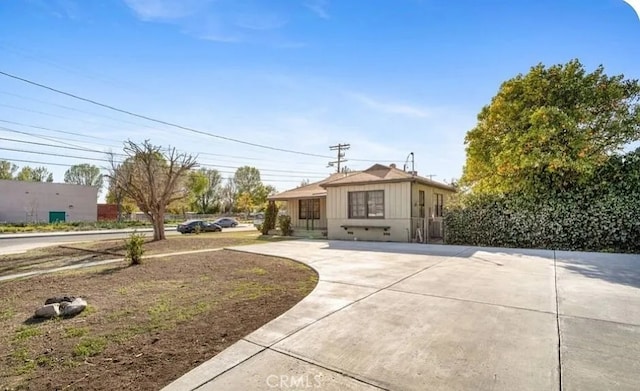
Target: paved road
(10, 243)
(391, 316)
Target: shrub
(284, 223)
(134, 247)
(270, 216)
(606, 221)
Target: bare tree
(153, 178)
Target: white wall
(22, 201)
(397, 213)
(293, 210)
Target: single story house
(381, 203)
(29, 202)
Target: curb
(77, 233)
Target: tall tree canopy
(550, 129)
(38, 174)
(205, 187)
(84, 174)
(7, 169)
(247, 180)
(153, 177)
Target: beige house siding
(293, 210)
(397, 213)
(429, 207)
(22, 201)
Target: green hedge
(586, 221)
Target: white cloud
(150, 10)
(318, 7)
(259, 21)
(227, 21)
(399, 108)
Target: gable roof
(312, 190)
(379, 173)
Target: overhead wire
(159, 121)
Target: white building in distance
(28, 202)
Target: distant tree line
(79, 174)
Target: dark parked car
(192, 226)
(226, 222)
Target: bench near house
(381, 203)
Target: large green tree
(38, 174)
(7, 169)
(84, 174)
(205, 187)
(247, 180)
(550, 129)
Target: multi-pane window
(439, 206)
(421, 202)
(309, 209)
(366, 204)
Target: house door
(309, 211)
(57, 217)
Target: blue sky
(387, 77)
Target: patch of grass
(74, 332)
(251, 290)
(190, 312)
(116, 315)
(23, 333)
(307, 285)
(123, 290)
(7, 314)
(159, 309)
(23, 360)
(44, 361)
(89, 309)
(258, 271)
(90, 346)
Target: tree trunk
(158, 225)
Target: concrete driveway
(416, 317)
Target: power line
(55, 139)
(106, 168)
(74, 109)
(133, 114)
(84, 149)
(120, 146)
(57, 131)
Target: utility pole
(340, 148)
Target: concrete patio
(398, 316)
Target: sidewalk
(78, 233)
(99, 263)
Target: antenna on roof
(412, 163)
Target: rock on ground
(48, 311)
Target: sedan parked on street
(226, 222)
(192, 226)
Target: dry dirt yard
(79, 253)
(145, 325)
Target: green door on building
(56, 217)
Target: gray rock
(59, 299)
(75, 307)
(48, 311)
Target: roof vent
(392, 165)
